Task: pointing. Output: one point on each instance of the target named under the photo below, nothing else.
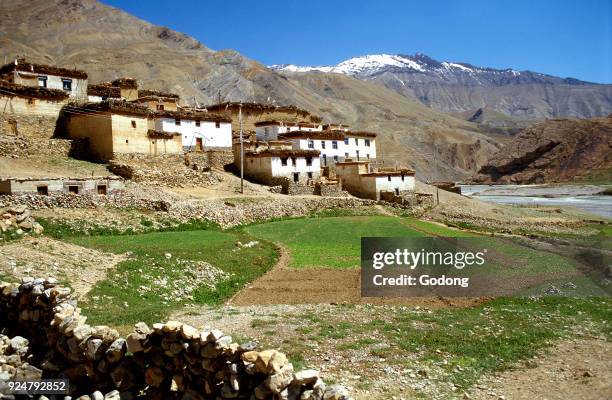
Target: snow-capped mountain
(458, 86)
(370, 66)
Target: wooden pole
(241, 150)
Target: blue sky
(565, 38)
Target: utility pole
(219, 97)
(241, 149)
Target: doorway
(199, 144)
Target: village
(244, 221)
(284, 147)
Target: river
(585, 197)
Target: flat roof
(284, 153)
(192, 115)
(23, 66)
(324, 135)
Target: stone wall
(119, 198)
(29, 135)
(45, 336)
(171, 170)
(330, 190)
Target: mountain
(558, 150)
(457, 87)
(109, 43)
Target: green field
(329, 242)
(108, 302)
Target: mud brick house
(71, 81)
(270, 129)
(158, 101)
(360, 180)
(199, 131)
(49, 186)
(256, 112)
(277, 163)
(31, 100)
(119, 127)
(119, 89)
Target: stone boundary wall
(119, 198)
(49, 338)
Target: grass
(461, 344)
(120, 299)
(329, 242)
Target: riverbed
(582, 197)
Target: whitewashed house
(334, 145)
(276, 163)
(72, 81)
(269, 130)
(199, 130)
(357, 178)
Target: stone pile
(119, 198)
(166, 361)
(228, 214)
(18, 220)
(171, 170)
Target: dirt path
(580, 369)
(285, 285)
(45, 257)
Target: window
(402, 178)
(197, 123)
(335, 159)
(177, 122)
(325, 160)
(310, 175)
(389, 178)
(30, 101)
(67, 85)
(397, 191)
(322, 144)
(42, 81)
(346, 141)
(356, 142)
(160, 107)
(217, 124)
(127, 141)
(308, 161)
(357, 152)
(368, 156)
(346, 155)
(293, 161)
(283, 161)
(310, 144)
(296, 177)
(102, 189)
(367, 142)
(133, 124)
(74, 189)
(42, 190)
(335, 144)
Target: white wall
(212, 137)
(300, 167)
(79, 86)
(396, 182)
(364, 151)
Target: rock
(97, 395)
(305, 377)
(281, 379)
(19, 345)
(270, 361)
(336, 392)
(154, 376)
(93, 349)
(189, 332)
(172, 326)
(114, 395)
(116, 350)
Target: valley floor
(292, 283)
